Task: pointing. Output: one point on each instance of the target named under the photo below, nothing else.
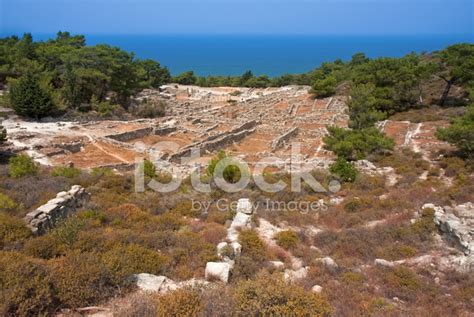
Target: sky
(305, 17)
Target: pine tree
(29, 99)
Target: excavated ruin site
(247, 123)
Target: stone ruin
(230, 249)
(48, 215)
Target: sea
(272, 55)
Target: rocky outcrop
(459, 230)
(456, 225)
(48, 215)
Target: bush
(461, 133)
(29, 99)
(287, 239)
(151, 109)
(12, 230)
(344, 169)
(252, 245)
(81, 279)
(149, 169)
(269, 295)
(6, 203)
(43, 247)
(182, 302)
(65, 171)
(22, 165)
(356, 144)
(126, 260)
(400, 282)
(26, 287)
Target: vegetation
(344, 169)
(66, 73)
(22, 165)
(287, 239)
(271, 296)
(461, 133)
(354, 145)
(29, 99)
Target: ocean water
(270, 55)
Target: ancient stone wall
(131, 135)
(217, 141)
(48, 215)
(282, 139)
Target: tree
(457, 67)
(324, 86)
(246, 77)
(29, 99)
(362, 107)
(355, 145)
(186, 78)
(461, 133)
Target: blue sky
(349, 17)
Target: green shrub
(232, 173)
(29, 99)
(287, 239)
(344, 169)
(65, 171)
(81, 279)
(149, 169)
(269, 295)
(425, 226)
(126, 260)
(26, 287)
(356, 144)
(461, 133)
(182, 302)
(6, 203)
(67, 231)
(98, 172)
(22, 165)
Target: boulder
(277, 265)
(218, 271)
(152, 283)
(293, 275)
(316, 289)
(329, 263)
(384, 263)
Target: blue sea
(271, 55)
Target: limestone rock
(277, 265)
(152, 283)
(317, 289)
(329, 262)
(292, 275)
(218, 271)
